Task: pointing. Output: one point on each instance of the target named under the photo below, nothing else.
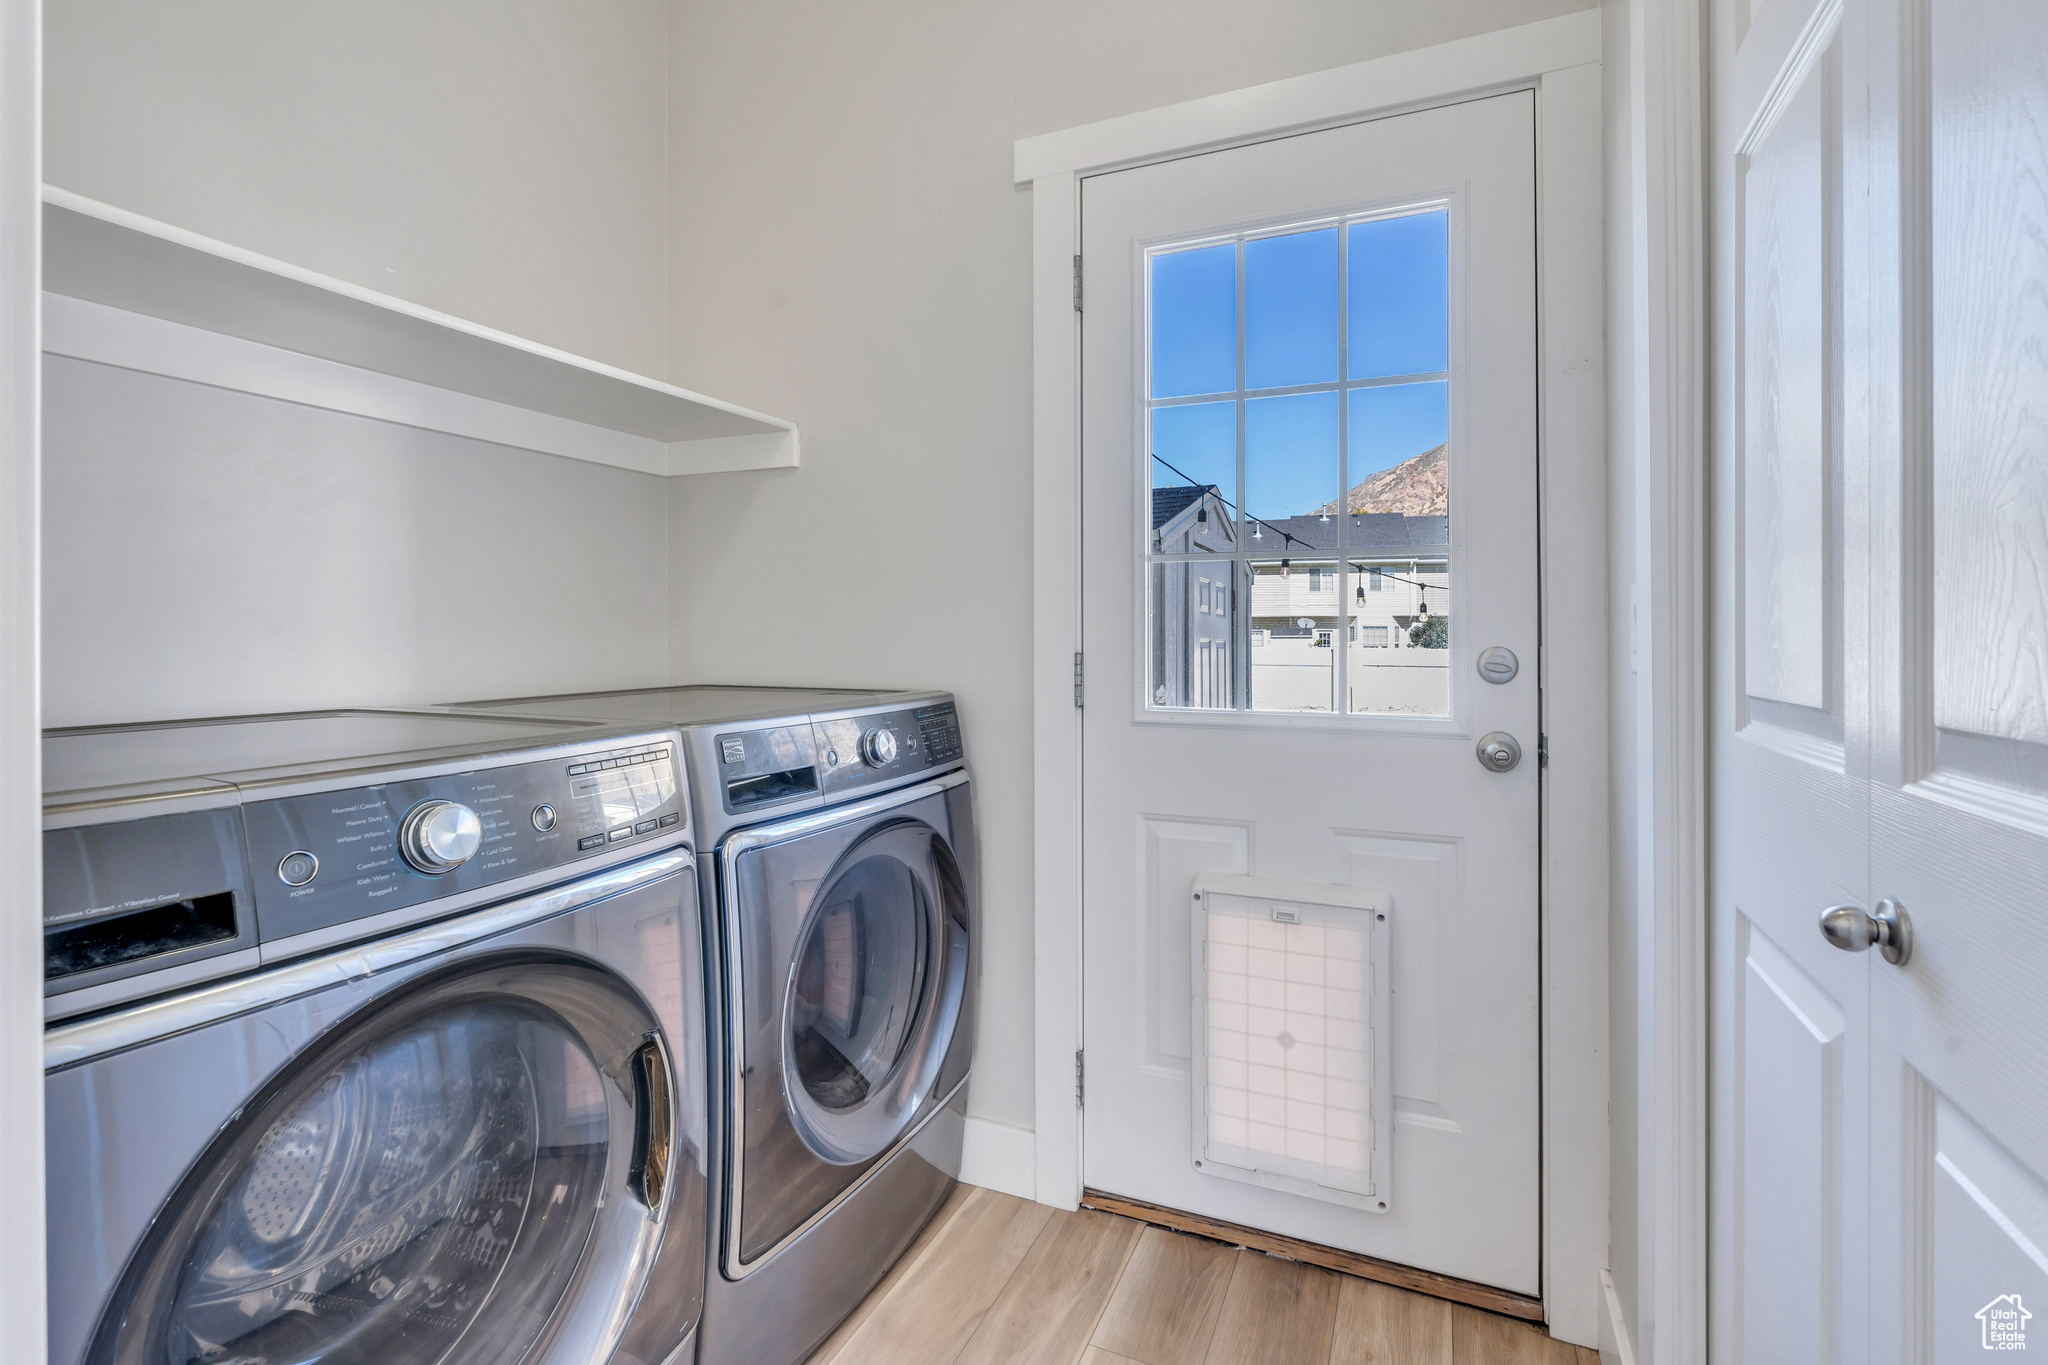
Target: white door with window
(1308, 508)
(1880, 1142)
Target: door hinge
(1080, 1079)
(1077, 284)
(1542, 750)
(1077, 677)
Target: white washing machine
(840, 868)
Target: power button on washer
(297, 868)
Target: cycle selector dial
(878, 748)
(439, 836)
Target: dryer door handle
(955, 988)
(653, 1124)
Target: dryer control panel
(880, 747)
(330, 857)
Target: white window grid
(1348, 568)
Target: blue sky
(1398, 325)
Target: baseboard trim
(1330, 1258)
(998, 1157)
(1615, 1346)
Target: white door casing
(1397, 803)
(1881, 1146)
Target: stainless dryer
(840, 857)
(376, 1037)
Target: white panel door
(1791, 801)
(1309, 504)
(1959, 837)
(1881, 729)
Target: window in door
(1297, 423)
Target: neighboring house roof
(1374, 535)
(1168, 503)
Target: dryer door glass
(858, 981)
(875, 992)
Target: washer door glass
(858, 981)
(450, 1173)
(381, 1214)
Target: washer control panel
(883, 747)
(333, 856)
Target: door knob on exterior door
(1852, 930)
(1499, 751)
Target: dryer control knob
(439, 836)
(878, 748)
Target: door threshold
(1485, 1296)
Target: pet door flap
(1292, 1083)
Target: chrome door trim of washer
(729, 851)
(69, 1044)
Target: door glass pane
(1296, 615)
(1194, 629)
(1290, 310)
(441, 1178)
(1194, 478)
(1400, 536)
(1340, 596)
(858, 982)
(1290, 467)
(1194, 321)
(1400, 296)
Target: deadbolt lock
(1498, 664)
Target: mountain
(1419, 487)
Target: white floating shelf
(124, 290)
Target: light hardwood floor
(998, 1281)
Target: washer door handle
(653, 1122)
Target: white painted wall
(848, 250)
(506, 162)
(209, 553)
(501, 160)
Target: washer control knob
(439, 836)
(878, 748)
